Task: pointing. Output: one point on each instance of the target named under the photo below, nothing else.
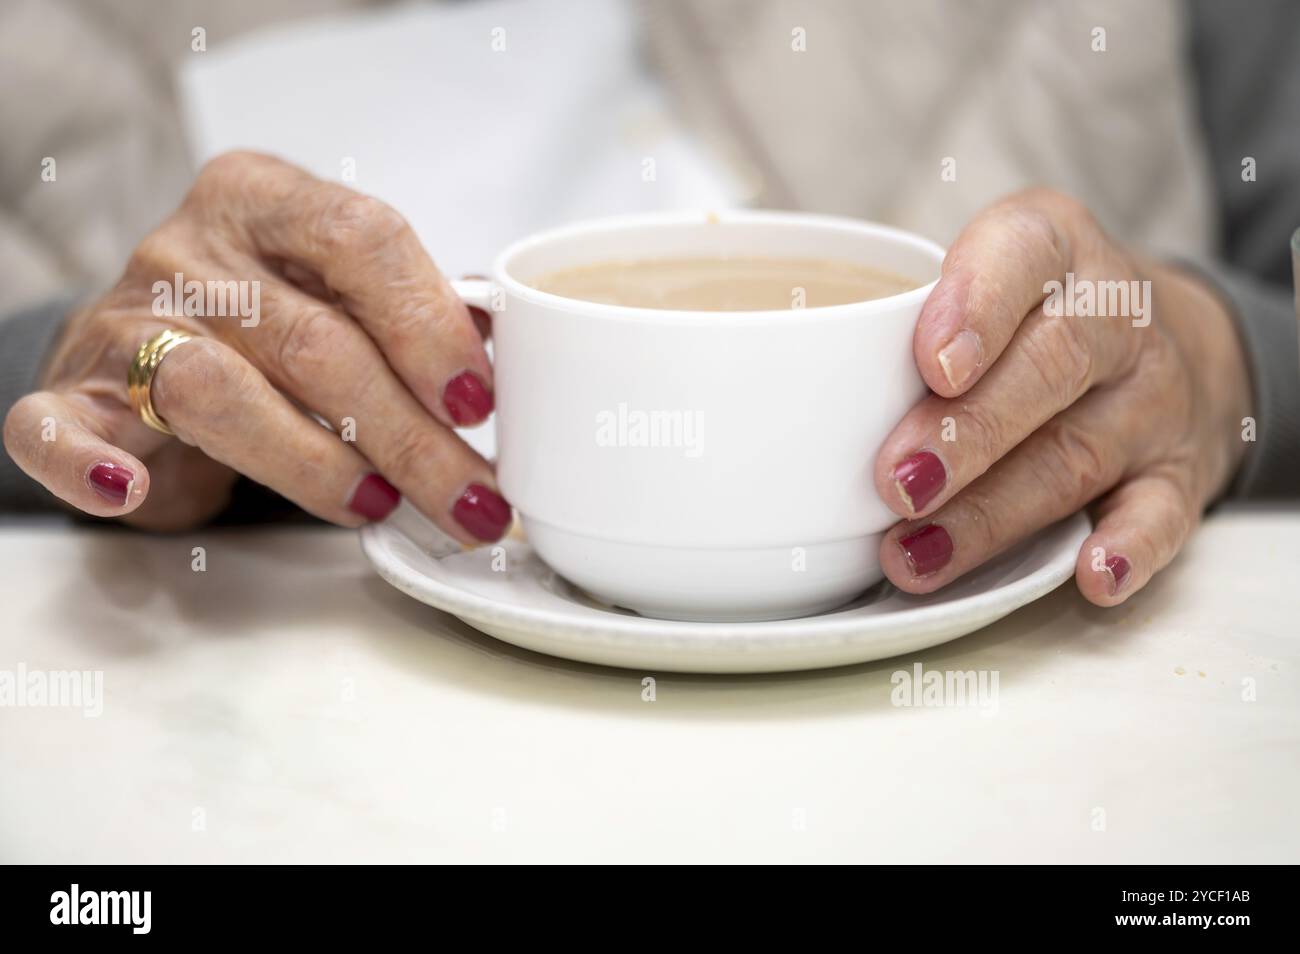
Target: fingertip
(1105, 578)
(60, 445)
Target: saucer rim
(830, 628)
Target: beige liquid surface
(724, 284)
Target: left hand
(1035, 415)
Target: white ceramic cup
(703, 465)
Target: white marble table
(286, 705)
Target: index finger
(993, 276)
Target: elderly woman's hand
(1042, 405)
(343, 315)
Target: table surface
(285, 704)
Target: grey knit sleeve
(1247, 73)
(1267, 326)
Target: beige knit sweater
(842, 106)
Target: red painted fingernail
(374, 498)
(467, 398)
(927, 550)
(919, 478)
(111, 481)
(483, 512)
(1119, 570)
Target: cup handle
(474, 291)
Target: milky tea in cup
(745, 283)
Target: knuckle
(989, 427)
(1033, 196)
(1061, 212)
(158, 253)
(355, 223)
(230, 168)
(1065, 203)
(421, 317)
(982, 516)
(1073, 209)
(413, 318)
(203, 375)
(1037, 232)
(992, 300)
(1046, 198)
(414, 456)
(1076, 463)
(1034, 200)
(231, 188)
(305, 351)
(1058, 351)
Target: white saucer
(527, 604)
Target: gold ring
(140, 376)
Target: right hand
(355, 323)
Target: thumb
(57, 442)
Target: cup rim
(913, 297)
